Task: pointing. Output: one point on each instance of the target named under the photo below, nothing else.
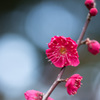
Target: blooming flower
(73, 84)
(93, 46)
(63, 51)
(34, 95)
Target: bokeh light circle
(48, 19)
(18, 64)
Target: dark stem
(56, 82)
(84, 30)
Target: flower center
(62, 50)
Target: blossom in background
(34, 95)
(93, 46)
(63, 51)
(73, 84)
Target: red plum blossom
(63, 51)
(34, 95)
(73, 84)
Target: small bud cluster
(90, 4)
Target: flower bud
(93, 11)
(93, 46)
(89, 4)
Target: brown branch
(79, 42)
(84, 29)
(56, 82)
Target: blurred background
(26, 26)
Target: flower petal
(60, 62)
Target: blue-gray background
(26, 26)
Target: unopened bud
(89, 4)
(93, 11)
(93, 47)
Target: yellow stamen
(62, 50)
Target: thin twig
(56, 82)
(84, 29)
